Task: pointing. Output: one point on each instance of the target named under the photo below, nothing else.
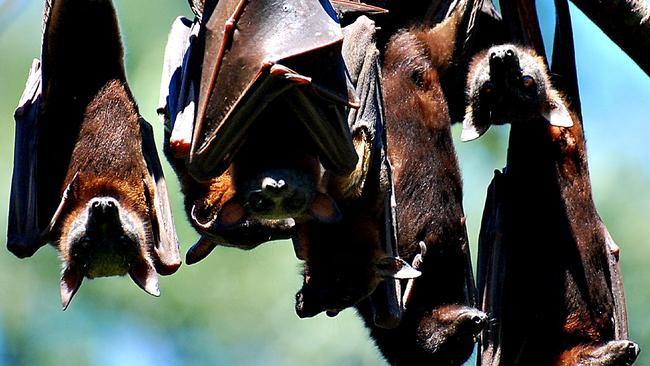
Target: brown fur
(429, 202)
(107, 158)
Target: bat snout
(504, 63)
(274, 187)
(473, 321)
(104, 239)
(102, 209)
(306, 307)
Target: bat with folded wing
(257, 117)
(357, 257)
(86, 173)
(548, 271)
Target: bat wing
(166, 252)
(348, 10)
(367, 124)
(257, 51)
(491, 273)
(565, 79)
(25, 230)
(616, 283)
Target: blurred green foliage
(235, 307)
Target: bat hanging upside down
(87, 176)
(269, 120)
(548, 268)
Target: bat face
(336, 283)
(333, 292)
(276, 173)
(463, 322)
(273, 182)
(510, 84)
(102, 238)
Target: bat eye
(85, 241)
(123, 240)
(488, 89)
(418, 78)
(527, 81)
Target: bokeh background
(236, 307)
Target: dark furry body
(546, 269)
(437, 327)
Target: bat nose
(102, 208)
(274, 187)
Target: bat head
(103, 238)
(286, 193)
(449, 332)
(618, 352)
(339, 286)
(274, 177)
(510, 84)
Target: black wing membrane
(257, 51)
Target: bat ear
(324, 209)
(70, 282)
(557, 114)
(166, 253)
(231, 213)
(65, 200)
(471, 131)
(200, 250)
(144, 275)
(397, 268)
